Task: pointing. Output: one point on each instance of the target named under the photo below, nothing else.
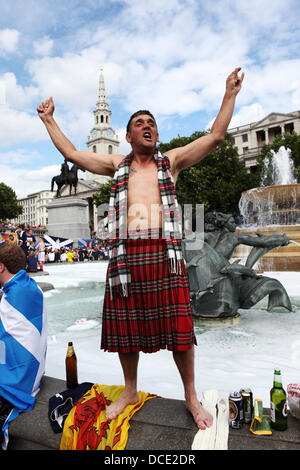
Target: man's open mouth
(147, 135)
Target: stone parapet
(161, 424)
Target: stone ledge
(161, 424)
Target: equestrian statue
(72, 178)
(66, 177)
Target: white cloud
(247, 114)
(182, 88)
(25, 181)
(273, 84)
(296, 95)
(2, 94)
(125, 147)
(9, 39)
(19, 126)
(43, 46)
(19, 156)
(72, 80)
(15, 95)
(150, 61)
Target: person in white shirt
(63, 257)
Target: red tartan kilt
(157, 313)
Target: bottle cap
(70, 343)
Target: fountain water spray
(280, 168)
(274, 208)
(276, 201)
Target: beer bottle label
(272, 412)
(284, 410)
(70, 351)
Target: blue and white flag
(23, 343)
(84, 242)
(58, 243)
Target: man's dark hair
(13, 258)
(138, 113)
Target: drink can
(247, 397)
(236, 412)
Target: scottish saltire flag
(84, 242)
(23, 342)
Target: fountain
(274, 209)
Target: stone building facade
(250, 138)
(35, 211)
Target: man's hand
(234, 82)
(46, 109)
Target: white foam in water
(83, 324)
(227, 358)
(68, 274)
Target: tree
(217, 181)
(9, 207)
(102, 196)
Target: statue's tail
(52, 183)
(255, 290)
(279, 298)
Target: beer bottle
(71, 367)
(278, 404)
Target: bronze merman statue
(219, 288)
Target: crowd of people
(38, 253)
(71, 255)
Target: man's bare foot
(116, 408)
(202, 418)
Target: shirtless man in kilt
(147, 304)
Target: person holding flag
(23, 338)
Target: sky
(169, 56)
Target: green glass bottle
(278, 404)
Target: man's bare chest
(143, 184)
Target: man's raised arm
(93, 162)
(183, 157)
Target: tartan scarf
(119, 272)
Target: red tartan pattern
(157, 313)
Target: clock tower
(102, 138)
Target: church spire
(102, 138)
(102, 102)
